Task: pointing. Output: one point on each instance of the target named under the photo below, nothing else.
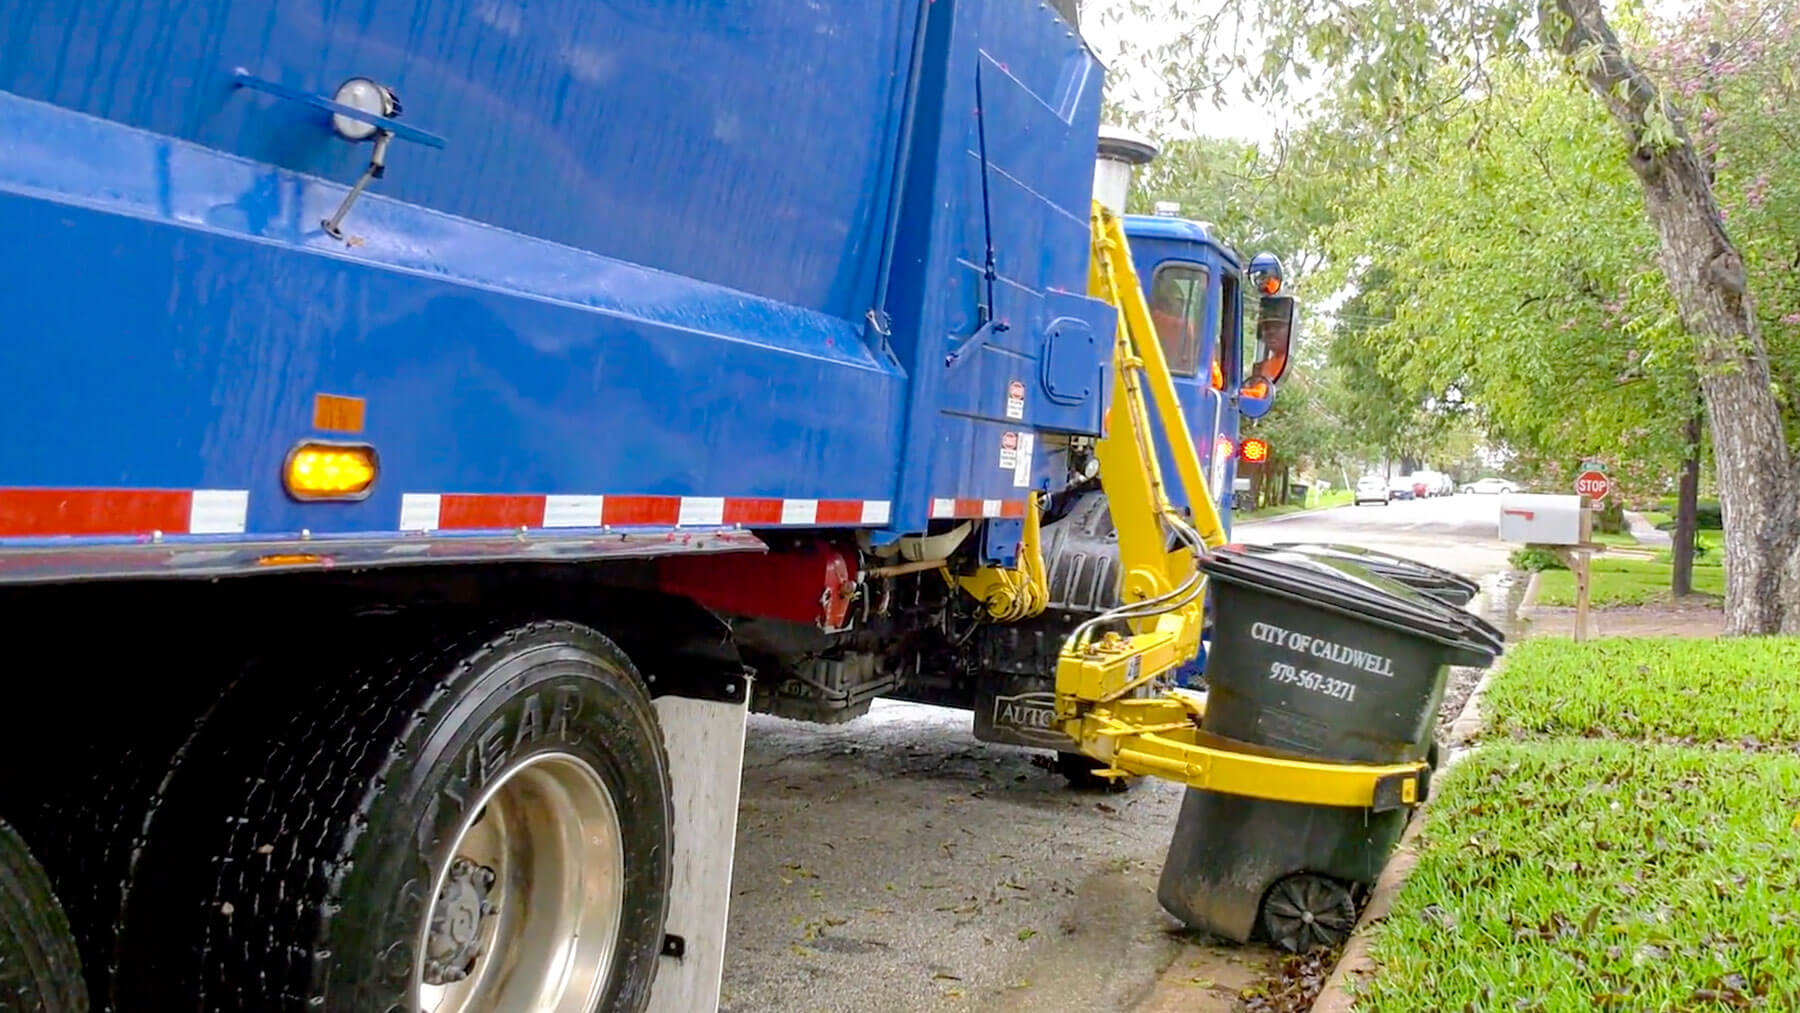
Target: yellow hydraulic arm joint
(1012, 595)
(1104, 697)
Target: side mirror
(1255, 397)
(1274, 338)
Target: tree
(1406, 61)
(1255, 200)
(1500, 269)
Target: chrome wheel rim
(525, 914)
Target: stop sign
(1592, 484)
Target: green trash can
(1314, 657)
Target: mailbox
(1537, 519)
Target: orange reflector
(294, 559)
(1271, 285)
(1218, 376)
(1254, 449)
(330, 471)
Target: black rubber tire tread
(84, 815)
(40, 971)
(288, 866)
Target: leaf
(1592, 920)
(1025, 934)
(1438, 916)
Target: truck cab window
(1178, 307)
(1226, 367)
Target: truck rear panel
(631, 292)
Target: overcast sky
(1237, 119)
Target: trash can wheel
(1307, 911)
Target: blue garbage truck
(432, 426)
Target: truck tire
(482, 828)
(39, 969)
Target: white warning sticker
(1009, 451)
(1022, 466)
(1015, 400)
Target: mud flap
(1019, 711)
(705, 742)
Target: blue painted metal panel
(491, 362)
(743, 143)
(641, 263)
(1036, 114)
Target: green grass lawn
(1657, 518)
(1580, 862)
(1629, 581)
(1585, 875)
(1332, 498)
(1710, 546)
(1662, 689)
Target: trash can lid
(1338, 583)
(1408, 571)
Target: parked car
(1491, 487)
(1400, 487)
(1432, 483)
(1371, 489)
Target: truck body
(496, 448)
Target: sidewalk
(1647, 535)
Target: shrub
(1533, 560)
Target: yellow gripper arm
(1104, 697)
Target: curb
(1337, 995)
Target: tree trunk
(1687, 509)
(1706, 276)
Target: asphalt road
(896, 863)
(1454, 532)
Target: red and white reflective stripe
(52, 513)
(431, 511)
(965, 509)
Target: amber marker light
(318, 470)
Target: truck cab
(1204, 298)
(1195, 288)
(1201, 293)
